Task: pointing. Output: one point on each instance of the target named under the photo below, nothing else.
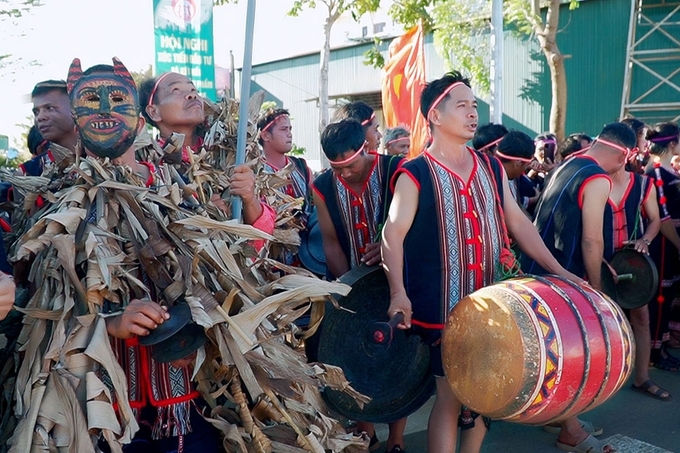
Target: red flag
(403, 82)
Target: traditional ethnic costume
(358, 217)
(457, 236)
(665, 255)
(457, 230)
(624, 222)
(558, 214)
(300, 180)
(163, 398)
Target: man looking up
(171, 103)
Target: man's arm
(594, 198)
(7, 292)
(336, 260)
(399, 220)
(651, 210)
(526, 235)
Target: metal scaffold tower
(651, 88)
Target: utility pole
(496, 106)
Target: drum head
(642, 278)
(397, 378)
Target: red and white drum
(535, 349)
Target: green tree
(16, 8)
(334, 9)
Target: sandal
(590, 445)
(587, 427)
(645, 389)
(667, 364)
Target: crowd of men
(443, 224)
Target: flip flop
(658, 394)
(587, 427)
(589, 445)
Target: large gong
(395, 374)
(636, 281)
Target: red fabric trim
(318, 192)
(466, 184)
(179, 399)
(152, 172)
(585, 183)
(400, 169)
(427, 325)
(5, 226)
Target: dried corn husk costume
(107, 236)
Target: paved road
(633, 422)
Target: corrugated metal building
(594, 36)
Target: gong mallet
(380, 334)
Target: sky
(44, 41)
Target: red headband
(626, 151)
(397, 140)
(442, 96)
(155, 87)
(368, 121)
(350, 158)
(272, 122)
(663, 139)
(489, 145)
(519, 159)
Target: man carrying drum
(445, 235)
(569, 218)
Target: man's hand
(400, 303)
(243, 184)
(139, 318)
(639, 245)
(371, 254)
(573, 277)
(7, 292)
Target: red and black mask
(105, 106)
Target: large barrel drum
(536, 350)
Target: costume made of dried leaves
(101, 239)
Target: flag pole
(242, 130)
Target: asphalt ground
(632, 422)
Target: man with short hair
(569, 218)
(515, 150)
(171, 103)
(352, 199)
(397, 141)
(487, 137)
(445, 236)
(52, 118)
(276, 140)
(365, 115)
